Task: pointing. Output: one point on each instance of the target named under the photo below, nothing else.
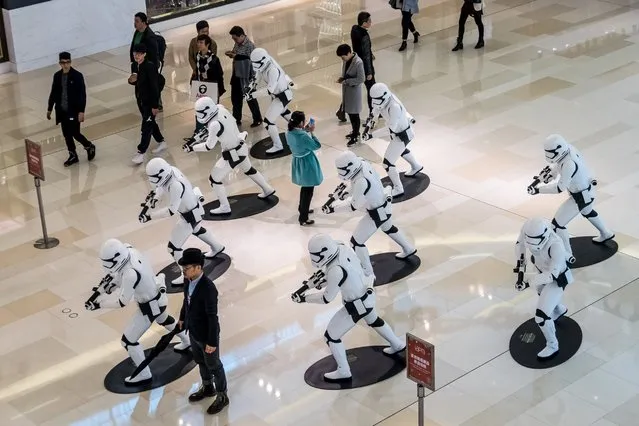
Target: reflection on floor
(548, 66)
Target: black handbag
(395, 4)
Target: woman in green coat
(306, 171)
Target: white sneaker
(338, 375)
(412, 172)
(548, 351)
(274, 150)
(144, 376)
(603, 238)
(390, 351)
(405, 254)
(221, 210)
(265, 194)
(138, 159)
(185, 342)
(161, 147)
(211, 253)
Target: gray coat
(352, 85)
(410, 6)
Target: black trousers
(466, 11)
(71, 130)
(211, 367)
(355, 123)
(407, 24)
(237, 99)
(369, 84)
(149, 128)
(306, 195)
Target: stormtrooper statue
(222, 127)
(552, 277)
(343, 273)
(367, 193)
(278, 86)
(184, 200)
(399, 123)
(570, 173)
(129, 271)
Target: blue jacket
(306, 170)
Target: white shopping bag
(200, 89)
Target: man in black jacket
(147, 83)
(361, 41)
(144, 35)
(69, 96)
(199, 317)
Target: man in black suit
(144, 35)
(199, 317)
(148, 84)
(69, 96)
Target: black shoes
(202, 392)
(221, 401)
(307, 223)
(341, 116)
(352, 139)
(256, 123)
(73, 158)
(416, 37)
(458, 46)
(91, 152)
(403, 46)
(479, 44)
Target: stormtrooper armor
(134, 277)
(548, 255)
(367, 193)
(343, 273)
(399, 123)
(222, 127)
(570, 172)
(278, 87)
(182, 200)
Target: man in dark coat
(361, 41)
(199, 317)
(144, 35)
(69, 96)
(147, 92)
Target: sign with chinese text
(34, 159)
(420, 361)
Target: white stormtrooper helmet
(260, 59)
(556, 148)
(322, 249)
(348, 164)
(536, 233)
(114, 255)
(158, 171)
(205, 110)
(380, 95)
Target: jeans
(407, 24)
(149, 128)
(306, 195)
(71, 130)
(211, 367)
(466, 11)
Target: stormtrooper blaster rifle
(250, 90)
(105, 287)
(314, 281)
(545, 176)
(149, 203)
(520, 269)
(339, 193)
(369, 125)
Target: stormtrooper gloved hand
(533, 190)
(187, 147)
(144, 217)
(328, 209)
(298, 298)
(92, 306)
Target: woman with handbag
(305, 167)
(209, 70)
(474, 8)
(408, 8)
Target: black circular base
(527, 341)
(166, 368)
(242, 205)
(413, 185)
(258, 150)
(213, 268)
(388, 268)
(369, 365)
(43, 244)
(588, 253)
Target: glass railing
(158, 10)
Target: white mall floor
(549, 66)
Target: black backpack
(161, 47)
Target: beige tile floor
(549, 66)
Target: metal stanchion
(45, 242)
(421, 393)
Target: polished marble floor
(564, 66)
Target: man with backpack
(155, 45)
